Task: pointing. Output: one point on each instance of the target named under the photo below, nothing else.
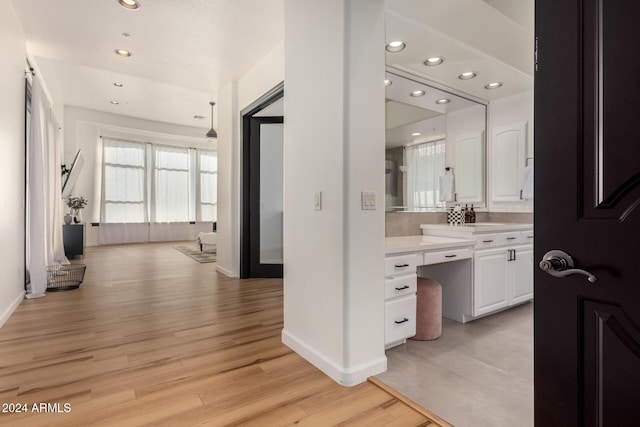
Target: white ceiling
(472, 35)
(185, 50)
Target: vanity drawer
(447, 256)
(403, 264)
(486, 241)
(400, 319)
(508, 239)
(402, 285)
(526, 237)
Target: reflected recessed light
(395, 46)
(118, 84)
(443, 101)
(494, 85)
(387, 82)
(129, 4)
(436, 60)
(417, 93)
(416, 134)
(123, 53)
(115, 102)
(468, 75)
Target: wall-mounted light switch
(317, 201)
(368, 200)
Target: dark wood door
(587, 197)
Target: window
(170, 184)
(208, 186)
(144, 182)
(123, 181)
(425, 163)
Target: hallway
(153, 337)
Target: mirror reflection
(435, 147)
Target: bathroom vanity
(483, 268)
(502, 263)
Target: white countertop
(480, 227)
(395, 245)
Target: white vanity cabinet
(441, 258)
(400, 298)
(502, 277)
(502, 264)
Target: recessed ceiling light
(129, 4)
(435, 60)
(417, 93)
(395, 46)
(126, 35)
(118, 84)
(387, 82)
(416, 134)
(494, 85)
(443, 101)
(468, 75)
(115, 102)
(123, 53)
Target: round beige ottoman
(429, 310)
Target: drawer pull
(402, 265)
(511, 238)
(402, 288)
(487, 241)
(450, 256)
(529, 237)
(398, 322)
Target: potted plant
(76, 204)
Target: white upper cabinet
(508, 162)
(469, 170)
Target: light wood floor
(155, 338)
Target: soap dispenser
(472, 215)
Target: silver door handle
(560, 264)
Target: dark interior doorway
(262, 188)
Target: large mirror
(435, 146)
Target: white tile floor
(476, 374)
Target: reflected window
(425, 162)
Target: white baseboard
(224, 271)
(344, 376)
(12, 307)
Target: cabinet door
(509, 158)
(490, 290)
(521, 269)
(469, 168)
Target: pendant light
(212, 132)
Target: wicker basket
(65, 277)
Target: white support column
(334, 144)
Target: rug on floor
(193, 251)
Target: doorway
(262, 187)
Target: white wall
(232, 99)
(503, 112)
(12, 111)
(334, 143)
(83, 129)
